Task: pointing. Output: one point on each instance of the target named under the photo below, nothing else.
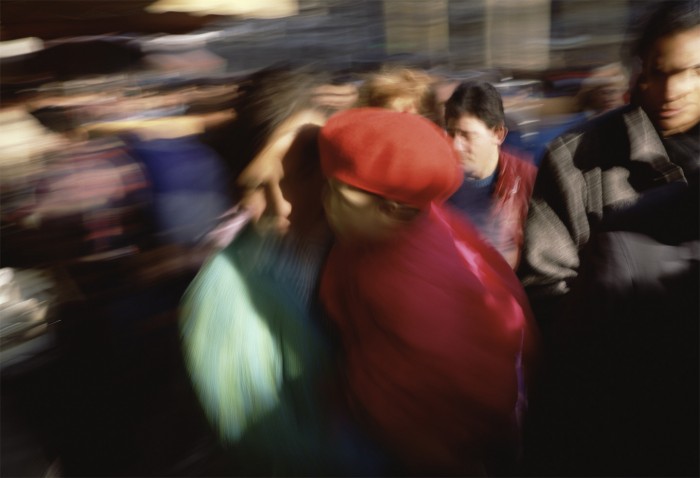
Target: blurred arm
(556, 228)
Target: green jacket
(255, 356)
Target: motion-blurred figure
(257, 357)
(497, 183)
(433, 322)
(75, 198)
(610, 265)
(338, 94)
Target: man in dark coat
(613, 161)
(611, 268)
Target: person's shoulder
(622, 115)
(609, 123)
(521, 163)
(611, 131)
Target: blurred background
(534, 49)
(529, 35)
(110, 181)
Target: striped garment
(587, 173)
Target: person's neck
(488, 169)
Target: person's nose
(277, 205)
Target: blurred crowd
(394, 271)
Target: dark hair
(264, 100)
(477, 98)
(59, 119)
(669, 17)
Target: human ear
(501, 132)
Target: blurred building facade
(459, 34)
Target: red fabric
(432, 326)
(516, 178)
(401, 156)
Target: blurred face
(282, 184)
(670, 84)
(477, 144)
(360, 216)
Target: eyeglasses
(358, 198)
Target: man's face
(477, 144)
(670, 85)
(280, 188)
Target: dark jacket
(610, 264)
(586, 174)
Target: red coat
(516, 178)
(432, 326)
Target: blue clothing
(535, 144)
(475, 198)
(189, 183)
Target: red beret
(400, 156)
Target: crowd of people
(377, 283)
(434, 362)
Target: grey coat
(587, 174)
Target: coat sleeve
(232, 356)
(557, 224)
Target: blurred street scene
(115, 181)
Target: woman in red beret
(434, 325)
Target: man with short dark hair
(497, 184)
(611, 263)
(612, 161)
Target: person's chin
(468, 172)
(273, 225)
(674, 124)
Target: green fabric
(255, 357)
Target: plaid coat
(586, 174)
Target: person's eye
(253, 188)
(458, 133)
(656, 74)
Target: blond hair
(400, 89)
